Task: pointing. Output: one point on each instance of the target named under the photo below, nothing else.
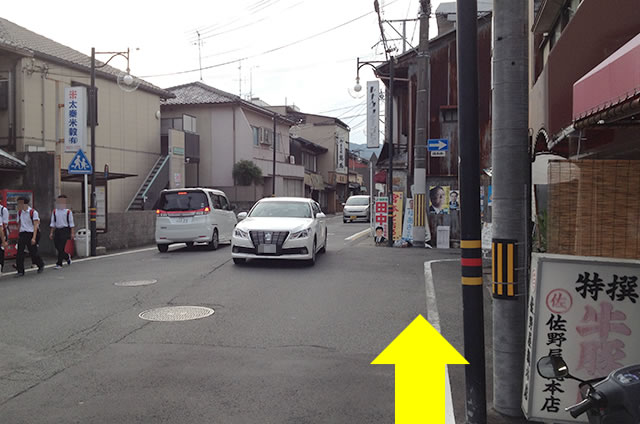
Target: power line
(302, 40)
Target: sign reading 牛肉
(587, 310)
(75, 119)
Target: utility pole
(93, 118)
(469, 175)
(199, 53)
(392, 73)
(273, 188)
(510, 180)
(421, 226)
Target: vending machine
(9, 199)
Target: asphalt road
(287, 343)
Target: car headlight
(300, 234)
(240, 234)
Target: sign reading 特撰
(75, 119)
(587, 310)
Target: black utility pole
(390, 141)
(469, 170)
(93, 119)
(274, 154)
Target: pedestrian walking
(4, 234)
(29, 224)
(62, 230)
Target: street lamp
(129, 82)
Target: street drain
(135, 283)
(176, 313)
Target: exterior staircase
(156, 181)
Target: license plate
(182, 220)
(267, 248)
(354, 217)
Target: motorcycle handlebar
(582, 407)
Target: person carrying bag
(62, 230)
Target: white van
(194, 215)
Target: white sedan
(280, 228)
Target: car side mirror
(241, 216)
(320, 215)
(344, 203)
(552, 367)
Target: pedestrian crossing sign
(80, 164)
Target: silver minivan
(194, 215)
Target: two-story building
(230, 130)
(307, 154)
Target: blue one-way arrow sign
(80, 164)
(438, 145)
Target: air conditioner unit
(292, 160)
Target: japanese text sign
(398, 203)
(373, 114)
(341, 156)
(587, 310)
(75, 119)
(381, 216)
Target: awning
(314, 181)
(11, 163)
(614, 82)
(100, 179)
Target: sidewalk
(448, 291)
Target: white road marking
(359, 235)
(433, 316)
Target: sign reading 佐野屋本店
(398, 203)
(588, 311)
(381, 224)
(75, 119)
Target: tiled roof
(7, 161)
(198, 93)
(17, 38)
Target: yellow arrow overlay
(420, 355)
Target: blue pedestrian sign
(438, 145)
(80, 164)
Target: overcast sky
(316, 74)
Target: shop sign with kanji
(75, 119)
(588, 311)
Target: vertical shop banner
(398, 203)
(373, 114)
(341, 164)
(75, 119)
(407, 227)
(588, 311)
(101, 205)
(381, 219)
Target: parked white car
(193, 215)
(356, 207)
(280, 228)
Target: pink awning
(613, 81)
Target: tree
(245, 173)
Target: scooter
(608, 400)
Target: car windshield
(183, 201)
(357, 201)
(281, 210)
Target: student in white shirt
(62, 229)
(29, 222)
(4, 233)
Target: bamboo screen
(594, 208)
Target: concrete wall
(129, 229)
(127, 137)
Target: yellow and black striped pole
(504, 261)
(469, 177)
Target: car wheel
(189, 245)
(324, 246)
(215, 240)
(163, 248)
(239, 261)
(312, 261)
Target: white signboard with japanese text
(341, 155)
(407, 227)
(101, 208)
(373, 114)
(587, 310)
(75, 119)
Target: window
(280, 147)
(189, 123)
(172, 123)
(182, 201)
(310, 162)
(224, 203)
(256, 135)
(217, 203)
(316, 208)
(449, 115)
(280, 209)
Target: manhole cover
(135, 283)
(176, 313)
